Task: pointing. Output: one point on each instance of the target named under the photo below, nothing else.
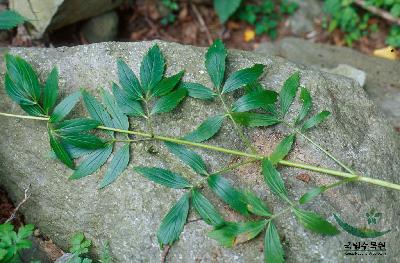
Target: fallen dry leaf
(387, 52)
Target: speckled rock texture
(128, 212)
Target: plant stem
(234, 166)
(148, 115)
(235, 152)
(244, 139)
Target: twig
(203, 25)
(26, 197)
(165, 253)
(377, 11)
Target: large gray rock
(128, 212)
(48, 15)
(382, 80)
(101, 28)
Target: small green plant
(12, 242)
(172, 7)
(80, 248)
(94, 139)
(354, 21)
(10, 19)
(266, 16)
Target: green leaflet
(127, 105)
(255, 205)
(273, 251)
(189, 157)
(128, 81)
(173, 223)
(119, 119)
(33, 110)
(50, 91)
(311, 194)
(273, 179)
(253, 87)
(96, 110)
(10, 19)
(206, 130)
(166, 85)
(198, 91)
(169, 102)
(117, 166)
(306, 104)
(75, 126)
(215, 62)
(152, 68)
(15, 93)
(65, 107)
(163, 177)
(232, 234)
(83, 140)
(315, 222)
(60, 151)
(255, 100)
(242, 77)
(251, 119)
(282, 149)
(358, 232)
(224, 190)
(315, 120)
(226, 8)
(205, 209)
(92, 162)
(288, 92)
(79, 245)
(24, 77)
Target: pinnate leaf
(315, 222)
(169, 102)
(152, 68)
(205, 209)
(255, 100)
(206, 130)
(163, 177)
(282, 149)
(50, 91)
(273, 251)
(242, 77)
(215, 62)
(65, 107)
(198, 91)
(288, 92)
(173, 223)
(273, 179)
(92, 162)
(128, 80)
(189, 157)
(315, 120)
(118, 164)
(224, 190)
(251, 119)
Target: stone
(382, 76)
(49, 15)
(128, 212)
(303, 20)
(351, 72)
(101, 28)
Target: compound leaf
(92, 162)
(83, 140)
(242, 77)
(282, 149)
(128, 80)
(251, 119)
(127, 105)
(163, 177)
(169, 102)
(65, 107)
(273, 251)
(255, 205)
(273, 179)
(167, 84)
(96, 110)
(315, 120)
(205, 209)
(50, 91)
(224, 190)
(119, 119)
(206, 130)
(288, 92)
(215, 62)
(198, 91)
(189, 157)
(76, 125)
(255, 100)
(117, 166)
(152, 68)
(60, 151)
(315, 222)
(173, 223)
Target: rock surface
(128, 212)
(101, 28)
(48, 15)
(382, 81)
